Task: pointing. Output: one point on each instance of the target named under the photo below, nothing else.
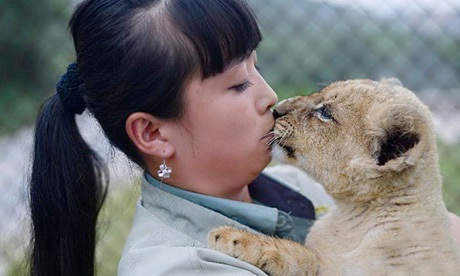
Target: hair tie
(70, 90)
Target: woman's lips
(269, 134)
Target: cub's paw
(276, 257)
(257, 250)
(231, 241)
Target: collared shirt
(278, 210)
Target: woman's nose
(270, 96)
(266, 99)
(273, 96)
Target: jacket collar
(190, 218)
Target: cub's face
(352, 131)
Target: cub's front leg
(273, 256)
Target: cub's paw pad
(230, 241)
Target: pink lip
(268, 135)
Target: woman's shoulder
(154, 247)
(152, 242)
(149, 230)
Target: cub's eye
(323, 112)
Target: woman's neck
(211, 188)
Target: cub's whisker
(271, 141)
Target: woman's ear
(148, 135)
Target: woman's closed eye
(243, 86)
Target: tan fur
(377, 158)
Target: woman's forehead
(251, 56)
(236, 72)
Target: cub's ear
(395, 140)
(395, 134)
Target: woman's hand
(455, 227)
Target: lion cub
(372, 146)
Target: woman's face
(221, 145)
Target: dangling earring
(164, 171)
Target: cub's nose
(277, 114)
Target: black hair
(132, 56)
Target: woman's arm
(455, 226)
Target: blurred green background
(307, 44)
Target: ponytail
(66, 193)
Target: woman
(174, 86)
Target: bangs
(222, 32)
(165, 43)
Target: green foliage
(17, 108)
(36, 48)
(450, 171)
(284, 93)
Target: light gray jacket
(155, 247)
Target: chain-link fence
(307, 44)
